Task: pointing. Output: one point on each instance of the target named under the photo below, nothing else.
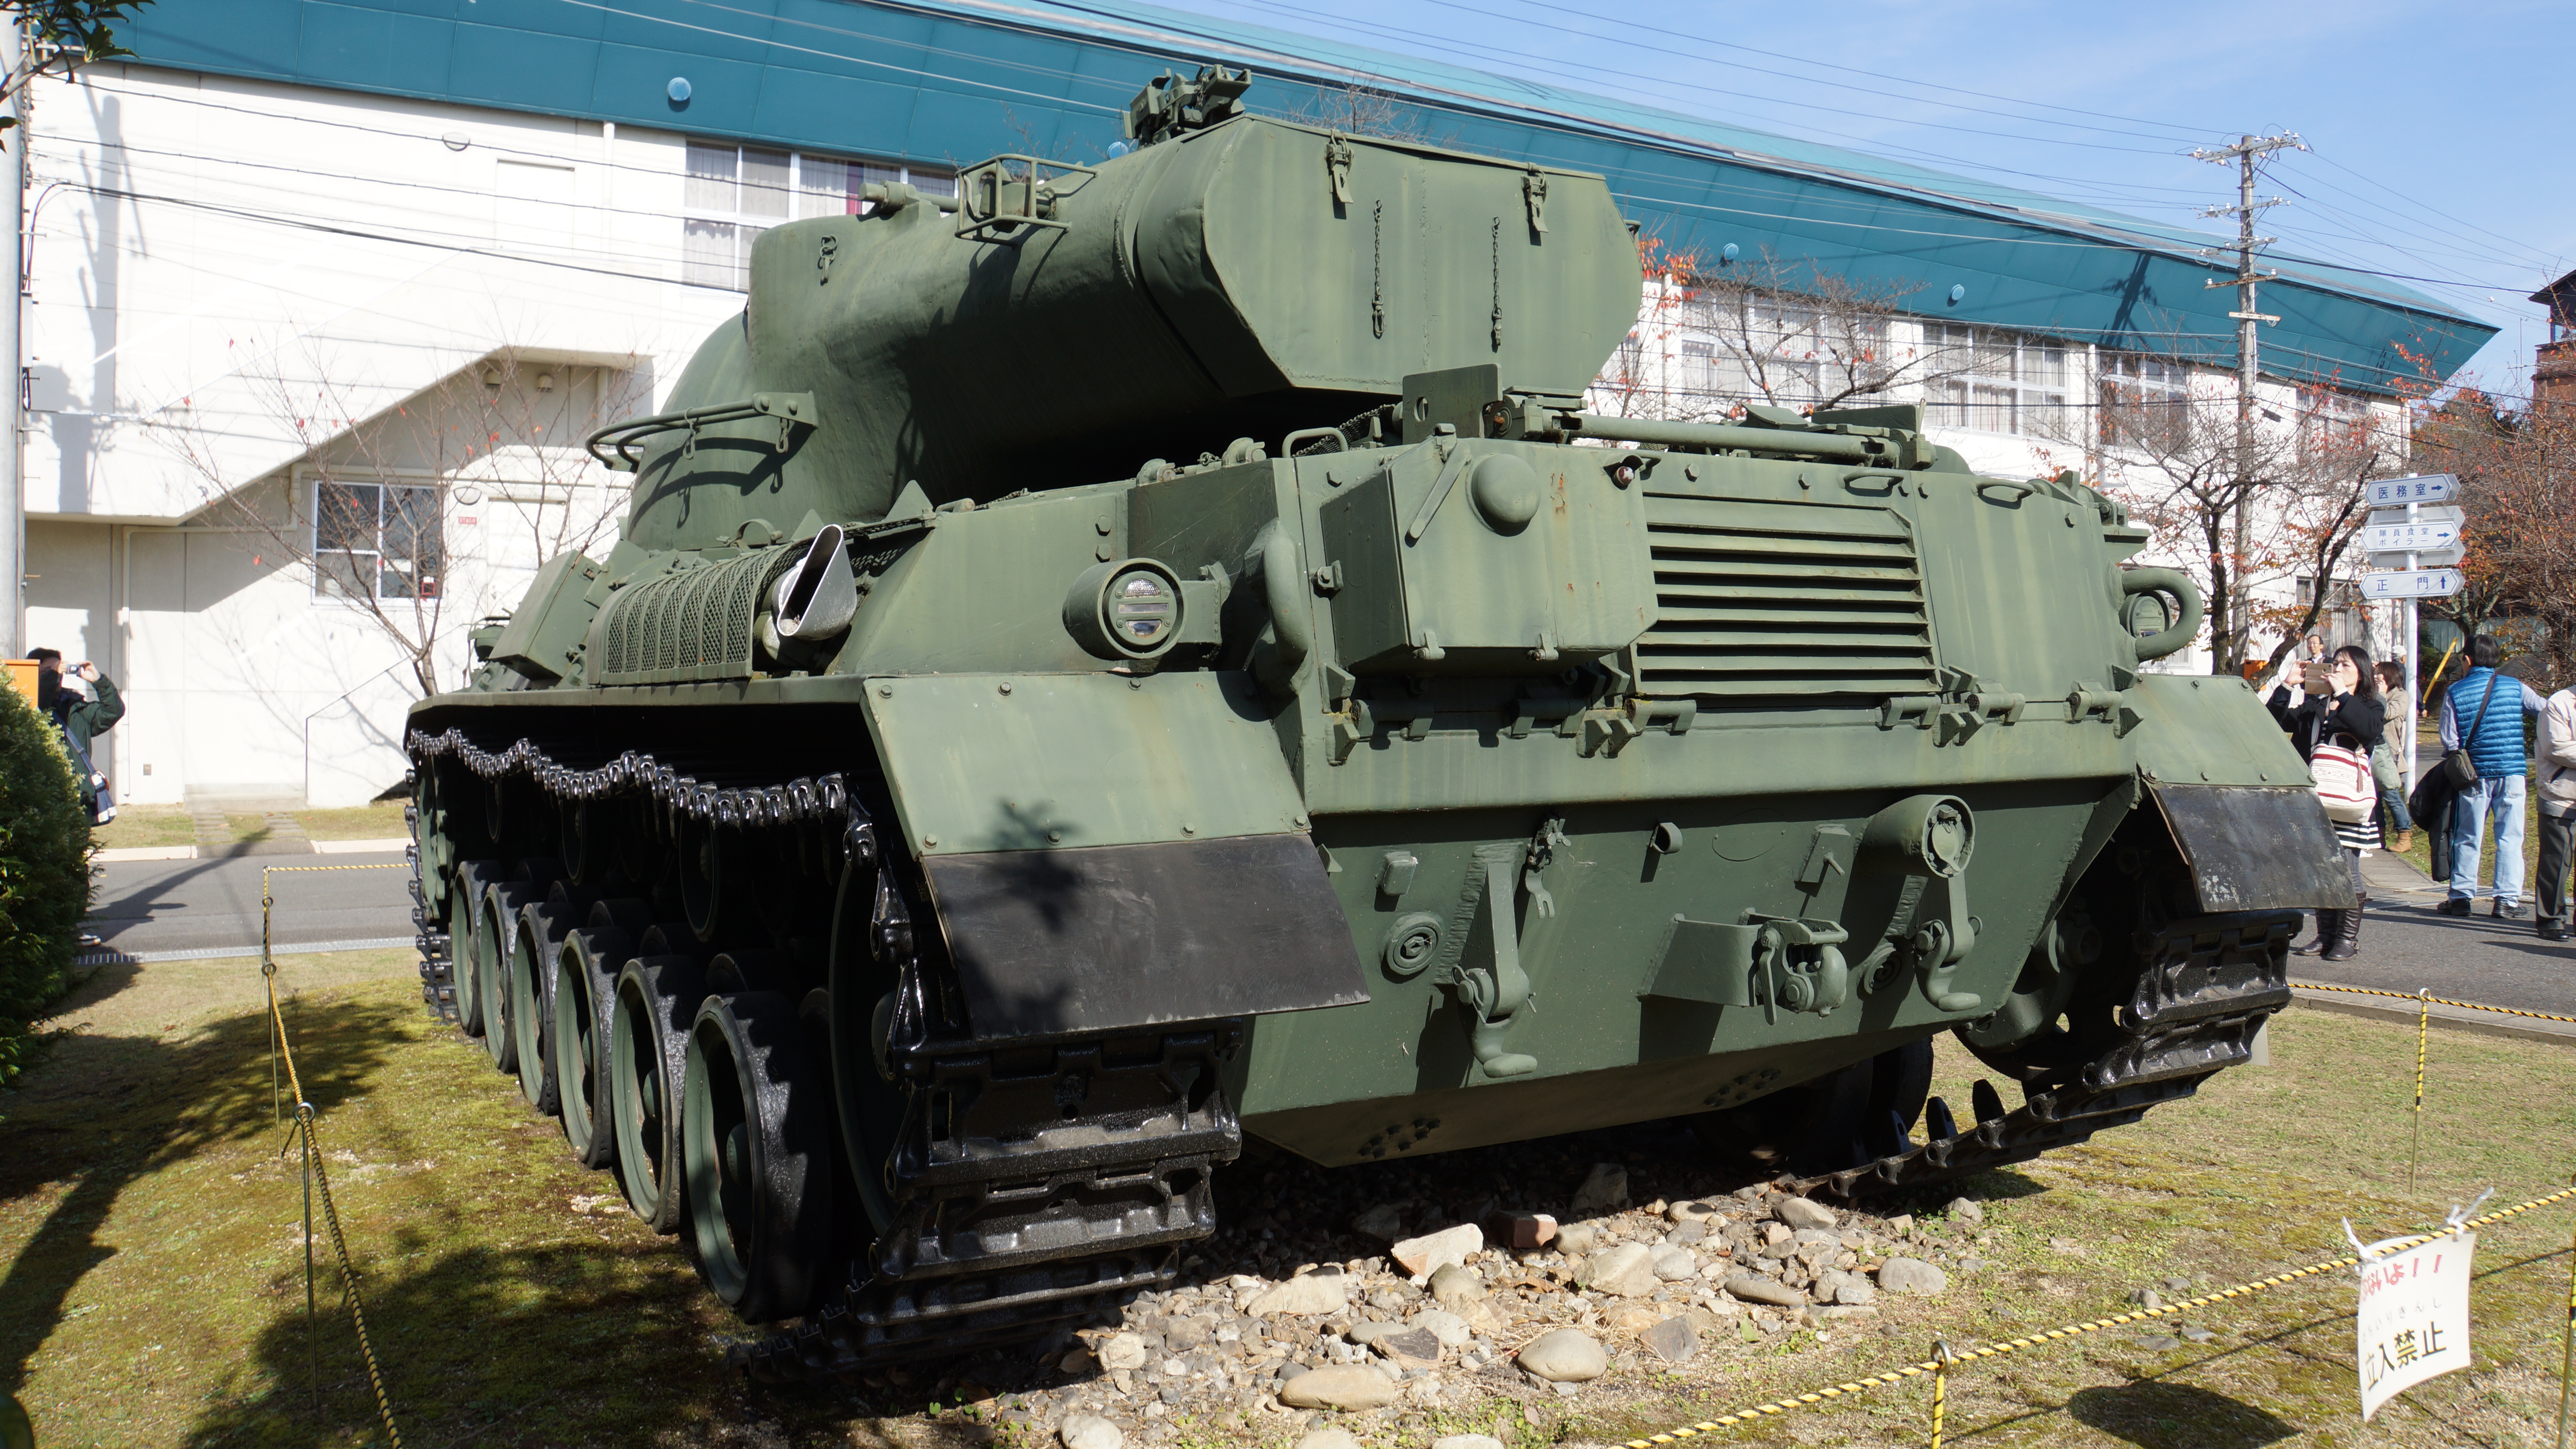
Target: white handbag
(2345, 785)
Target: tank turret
(1234, 276)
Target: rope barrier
(268, 961)
(1938, 1366)
(316, 1176)
(2425, 996)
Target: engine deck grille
(1783, 601)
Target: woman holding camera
(2339, 711)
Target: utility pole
(13, 211)
(2244, 154)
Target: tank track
(1065, 1180)
(437, 956)
(2206, 986)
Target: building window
(1995, 382)
(377, 540)
(735, 193)
(2146, 402)
(2332, 424)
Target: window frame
(333, 585)
(740, 227)
(2022, 397)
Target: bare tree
(1355, 110)
(483, 471)
(1714, 338)
(2162, 438)
(61, 37)
(2517, 472)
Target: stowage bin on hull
(915, 900)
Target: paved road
(182, 905)
(2405, 947)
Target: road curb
(2398, 1009)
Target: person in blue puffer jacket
(2495, 744)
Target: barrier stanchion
(2423, 1039)
(1940, 1386)
(2567, 1360)
(268, 969)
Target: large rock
(1452, 1330)
(1122, 1351)
(1754, 1289)
(1566, 1356)
(1671, 1340)
(1627, 1270)
(1797, 1212)
(1410, 1348)
(1305, 1295)
(1447, 1248)
(1454, 1286)
(1330, 1439)
(1339, 1386)
(1382, 1222)
(1575, 1240)
(1912, 1275)
(1467, 1441)
(1692, 1212)
(1966, 1210)
(1090, 1431)
(1837, 1286)
(1531, 1230)
(1672, 1265)
(1605, 1190)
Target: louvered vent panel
(1783, 601)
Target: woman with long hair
(2340, 704)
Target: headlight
(1125, 610)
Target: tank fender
(1108, 850)
(2240, 805)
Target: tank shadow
(2162, 1415)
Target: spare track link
(997, 1232)
(2209, 983)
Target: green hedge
(44, 871)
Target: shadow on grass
(2162, 1415)
(102, 1111)
(563, 1344)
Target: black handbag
(2457, 767)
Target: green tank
(1136, 657)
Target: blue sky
(2432, 128)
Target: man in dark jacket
(2488, 724)
(81, 719)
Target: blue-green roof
(949, 81)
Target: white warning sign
(2414, 1318)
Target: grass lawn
(145, 825)
(355, 822)
(151, 1256)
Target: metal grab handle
(2165, 581)
(1285, 588)
(626, 439)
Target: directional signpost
(2413, 537)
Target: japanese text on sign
(2413, 1323)
(2428, 488)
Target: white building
(321, 297)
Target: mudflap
(1058, 942)
(2256, 848)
